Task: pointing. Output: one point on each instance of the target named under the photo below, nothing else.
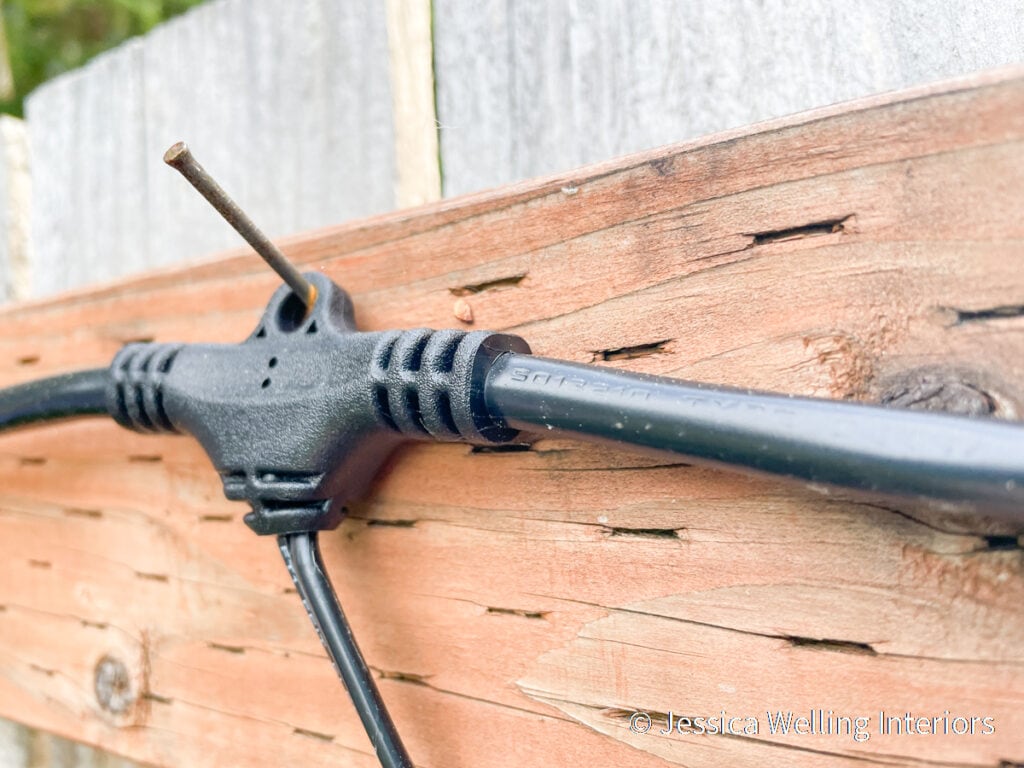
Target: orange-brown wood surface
(518, 607)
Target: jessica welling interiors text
(815, 722)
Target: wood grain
(519, 606)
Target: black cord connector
(299, 417)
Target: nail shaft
(180, 158)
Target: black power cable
(301, 553)
(889, 451)
(71, 394)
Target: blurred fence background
(314, 112)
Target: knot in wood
(113, 685)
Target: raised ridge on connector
(423, 383)
(135, 394)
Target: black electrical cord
(82, 393)
(873, 449)
(301, 553)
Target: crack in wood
(508, 448)
(981, 315)
(916, 520)
(680, 619)
(617, 468)
(540, 450)
(815, 229)
(216, 518)
(259, 721)
(92, 514)
(625, 716)
(1001, 543)
(152, 576)
(150, 696)
(630, 352)
(404, 677)
(517, 612)
(32, 461)
(145, 458)
(770, 635)
(642, 533)
(422, 680)
(488, 285)
(827, 644)
(237, 649)
(382, 523)
(313, 734)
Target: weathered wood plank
(276, 95)
(15, 206)
(410, 46)
(15, 751)
(519, 606)
(529, 87)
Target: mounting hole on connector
(291, 314)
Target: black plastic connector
(298, 418)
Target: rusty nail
(181, 159)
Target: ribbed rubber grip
(429, 383)
(134, 395)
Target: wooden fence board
(528, 87)
(15, 188)
(519, 606)
(254, 89)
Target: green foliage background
(47, 37)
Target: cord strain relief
(135, 393)
(429, 384)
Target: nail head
(176, 152)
